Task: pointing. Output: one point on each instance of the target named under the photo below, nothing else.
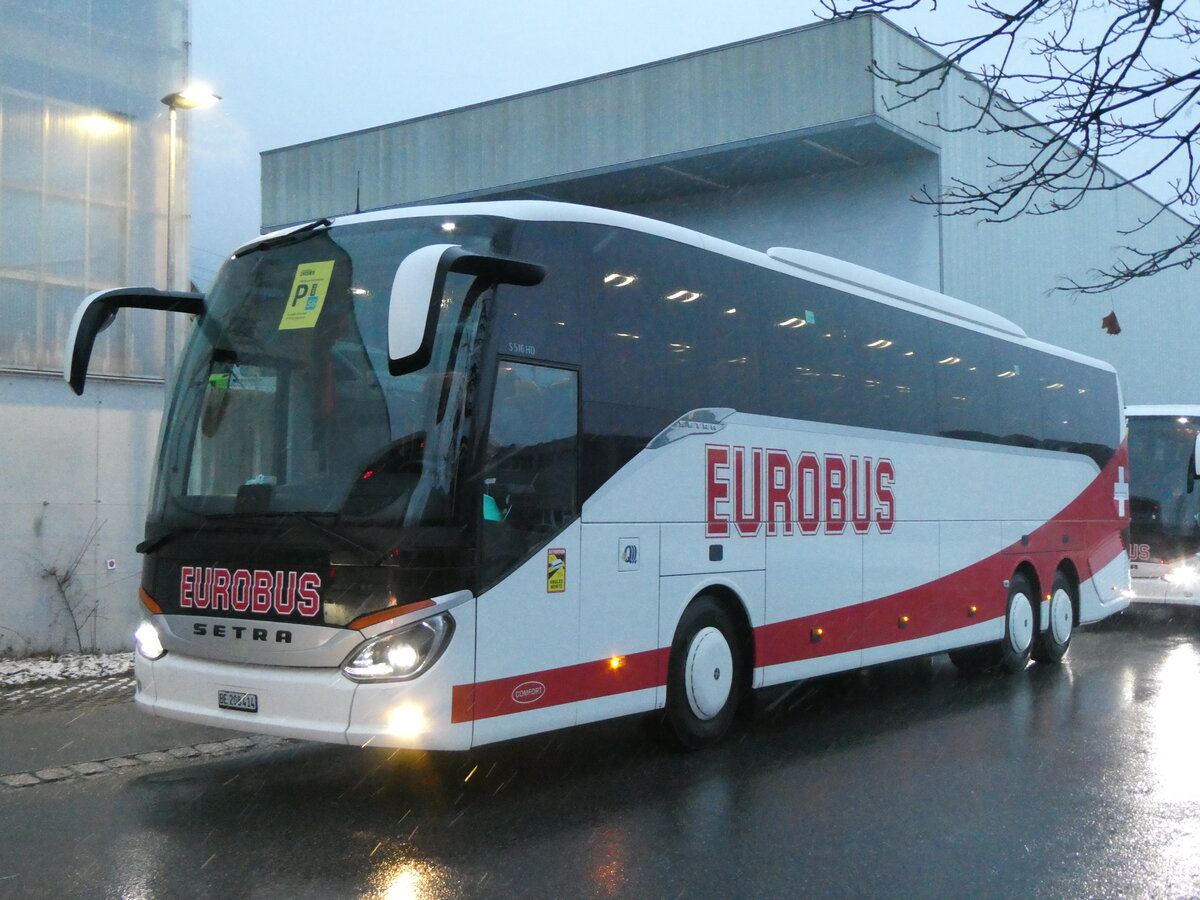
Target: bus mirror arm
(98, 311)
(1194, 466)
(417, 290)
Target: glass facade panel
(21, 249)
(18, 337)
(66, 148)
(21, 141)
(106, 241)
(54, 320)
(108, 158)
(83, 175)
(65, 238)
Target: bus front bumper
(302, 703)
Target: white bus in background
(1164, 527)
(442, 476)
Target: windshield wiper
(149, 545)
(373, 554)
(288, 237)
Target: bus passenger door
(526, 678)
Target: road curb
(96, 768)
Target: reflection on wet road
(908, 781)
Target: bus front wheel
(1020, 626)
(706, 675)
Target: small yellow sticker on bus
(307, 295)
(556, 571)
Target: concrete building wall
(76, 475)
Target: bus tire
(1020, 625)
(706, 675)
(1053, 643)
(973, 660)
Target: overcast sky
(297, 70)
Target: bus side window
(530, 473)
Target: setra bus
(1164, 503)
(441, 476)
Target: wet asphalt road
(1081, 780)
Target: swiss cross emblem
(1121, 491)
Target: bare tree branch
(1083, 84)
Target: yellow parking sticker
(556, 571)
(307, 296)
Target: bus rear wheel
(1013, 651)
(706, 675)
(1053, 643)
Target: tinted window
(542, 321)
(669, 329)
(963, 366)
(1164, 498)
(1016, 394)
(531, 463)
(664, 328)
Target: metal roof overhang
(843, 145)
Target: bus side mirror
(1193, 465)
(417, 290)
(99, 310)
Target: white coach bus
(441, 476)
(1164, 503)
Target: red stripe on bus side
(553, 687)
(966, 597)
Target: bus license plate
(238, 700)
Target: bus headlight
(147, 641)
(1182, 575)
(402, 654)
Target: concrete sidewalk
(60, 731)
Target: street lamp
(194, 97)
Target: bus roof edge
(862, 277)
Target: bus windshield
(1164, 497)
(284, 404)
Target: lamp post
(189, 98)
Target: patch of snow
(71, 666)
